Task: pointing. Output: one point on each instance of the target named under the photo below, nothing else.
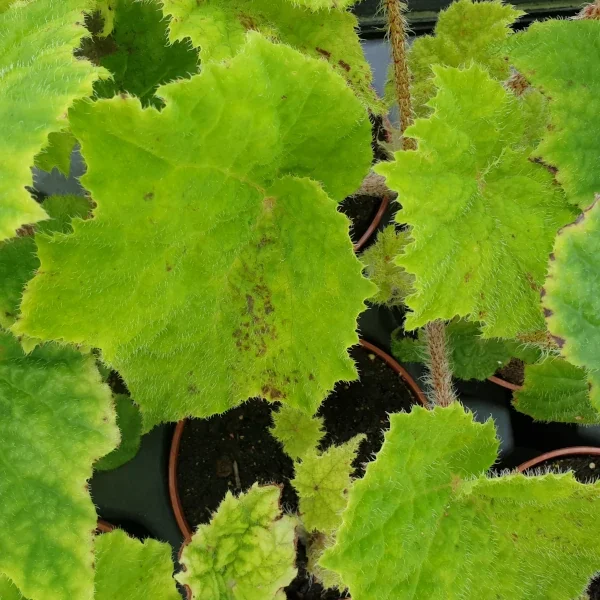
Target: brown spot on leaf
(192, 389)
(272, 393)
(149, 196)
(324, 53)
(169, 267)
(548, 312)
(344, 66)
(560, 342)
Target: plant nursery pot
(174, 455)
(573, 452)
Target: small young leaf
(472, 356)
(219, 27)
(298, 432)
(556, 391)
(37, 63)
(467, 32)
(424, 523)
(393, 281)
(107, 10)
(247, 552)
(572, 290)
(57, 153)
(138, 54)
(18, 259)
(323, 481)
(483, 216)
(132, 570)
(56, 419)
(234, 261)
(562, 58)
(129, 421)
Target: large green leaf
(556, 391)
(321, 4)
(56, 419)
(127, 569)
(471, 356)
(233, 260)
(8, 591)
(18, 259)
(467, 32)
(425, 524)
(572, 294)
(562, 58)
(483, 216)
(219, 27)
(39, 79)
(323, 481)
(247, 552)
(138, 54)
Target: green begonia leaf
(218, 28)
(483, 216)
(323, 481)
(107, 10)
(556, 391)
(128, 569)
(18, 259)
(39, 79)
(424, 523)
(471, 356)
(572, 294)
(234, 260)
(56, 419)
(138, 54)
(129, 421)
(57, 153)
(562, 58)
(247, 552)
(467, 32)
(298, 432)
(393, 281)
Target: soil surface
(211, 449)
(513, 372)
(586, 469)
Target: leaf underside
(233, 260)
(483, 216)
(466, 32)
(131, 570)
(562, 58)
(424, 523)
(39, 79)
(219, 27)
(247, 552)
(56, 419)
(556, 391)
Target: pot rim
(571, 451)
(385, 202)
(176, 505)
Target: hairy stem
(397, 32)
(439, 364)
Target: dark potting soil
(211, 449)
(586, 469)
(361, 210)
(513, 372)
